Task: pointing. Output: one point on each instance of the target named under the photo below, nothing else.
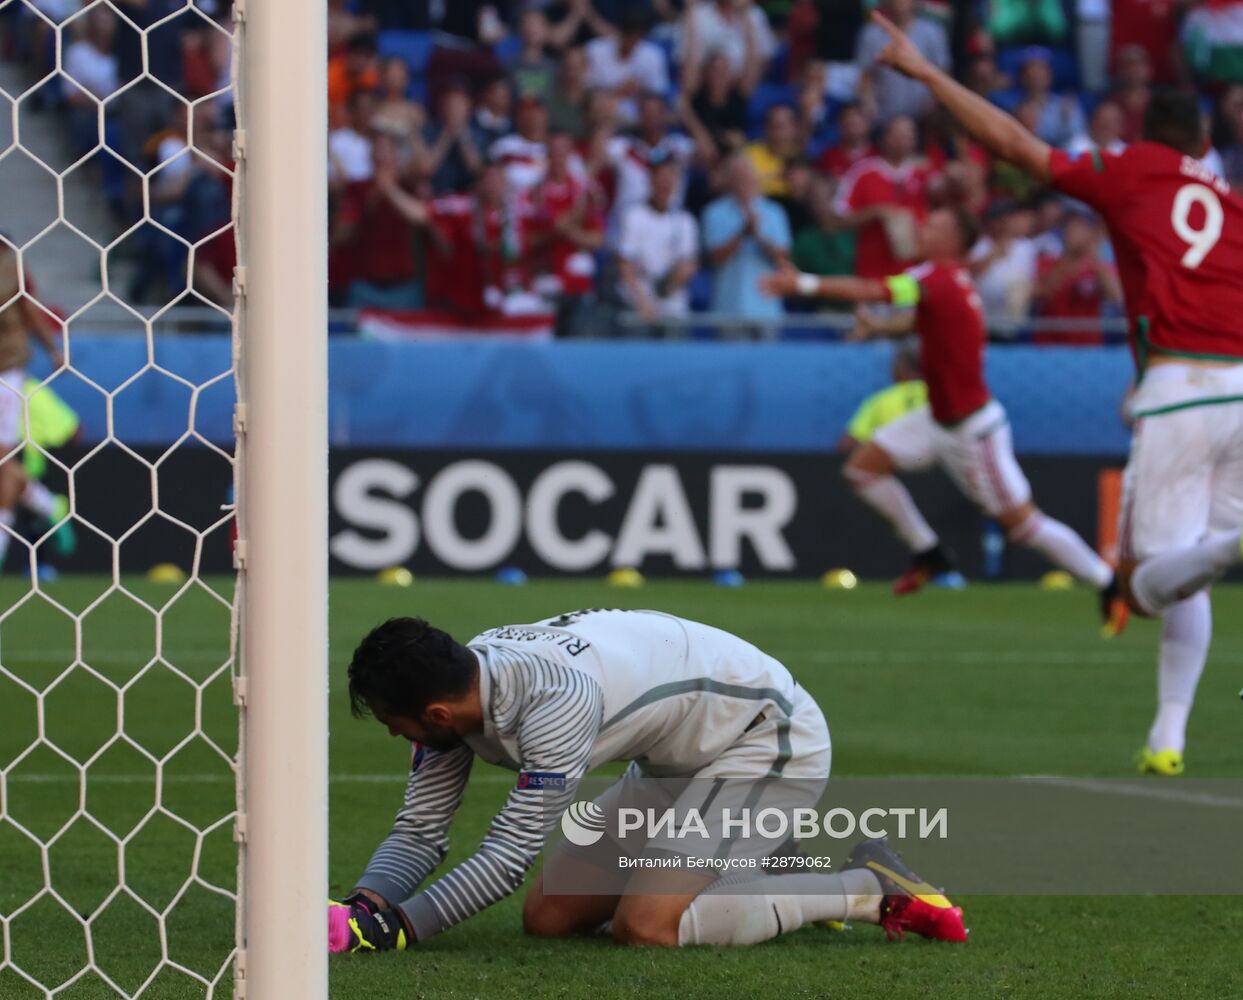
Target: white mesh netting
(118, 728)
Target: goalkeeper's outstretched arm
(419, 840)
(556, 736)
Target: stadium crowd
(647, 158)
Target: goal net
(132, 722)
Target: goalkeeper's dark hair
(1172, 118)
(402, 666)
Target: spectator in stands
(378, 236)
(714, 106)
(837, 28)
(452, 147)
(603, 146)
(1060, 115)
(1229, 104)
(567, 105)
(1017, 22)
(1008, 180)
(145, 108)
(801, 193)
(492, 114)
(854, 142)
(814, 106)
(745, 236)
(205, 55)
(356, 69)
(1104, 131)
(563, 230)
(625, 63)
(1132, 88)
(1050, 218)
(1004, 261)
(984, 77)
(958, 164)
(781, 142)
(208, 216)
(91, 64)
(474, 257)
(658, 252)
(524, 153)
(631, 156)
(828, 246)
(465, 33)
(1212, 157)
(532, 70)
(889, 93)
(1077, 283)
(344, 24)
(395, 114)
(1151, 27)
(42, 50)
(576, 22)
(1092, 44)
(884, 197)
(1232, 153)
(738, 29)
(349, 145)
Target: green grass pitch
(994, 680)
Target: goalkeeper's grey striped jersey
(560, 697)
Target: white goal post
(283, 497)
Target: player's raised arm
(788, 282)
(998, 132)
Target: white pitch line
(968, 656)
(1098, 786)
(396, 778)
(869, 655)
(1161, 792)
(18, 654)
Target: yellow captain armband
(903, 290)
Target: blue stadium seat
(766, 96)
(415, 47)
(507, 49)
(775, 72)
(1065, 70)
(700, 288)
(665, 44)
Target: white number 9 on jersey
(1200, 241)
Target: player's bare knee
(543, 918)
(634, 929)
(1015, 520)
(867, 462)
(1122, 576)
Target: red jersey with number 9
(1177, 233)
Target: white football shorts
(1184, 478)
(977, 454)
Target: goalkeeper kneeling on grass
(683, 702)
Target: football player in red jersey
(963, 428)
(1177, 232)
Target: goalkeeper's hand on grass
(357, 924)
